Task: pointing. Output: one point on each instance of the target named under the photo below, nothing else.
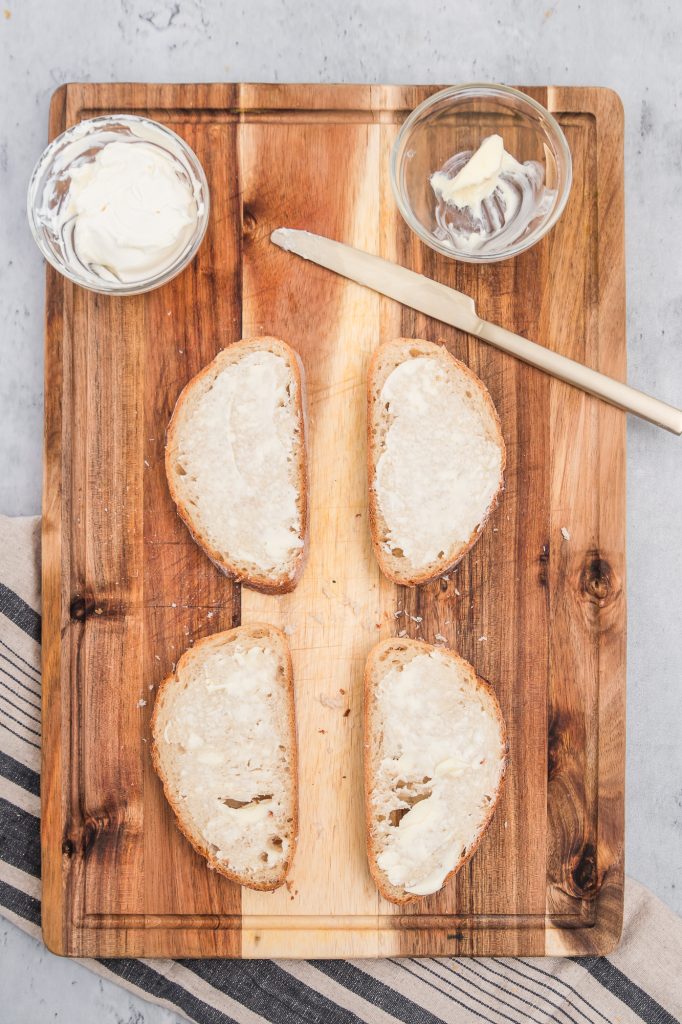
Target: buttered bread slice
(435, 757)
(236, 463)
(224, 746)
(436, 459)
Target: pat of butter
(479, 177)
(451, 766)
(252, 812)
(419, 815)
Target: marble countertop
(625, 44)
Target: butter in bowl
(118, 204)
(481, 172)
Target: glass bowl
(48, 193)
(458, 119)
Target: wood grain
(342, 606)
(538, 606)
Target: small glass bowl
(458, 119)
(51, 180)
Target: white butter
(423, 813)
(241, 473)
(237, 758)
(451, 766)
(438, 472)
(479, 177)
(433, 882)
(132, 209)
(487, 200)
(434, 721)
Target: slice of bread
(224, 746)
(236, 463)
(436, 459)
(435, 758)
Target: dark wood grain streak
(138, 590)
(125, 590)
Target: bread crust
(284, 583)
(391, 892)
(376, 520)
(254, 631)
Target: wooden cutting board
(538, 606)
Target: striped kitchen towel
(640, 982)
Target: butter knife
(458, 310)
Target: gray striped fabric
(640, 982)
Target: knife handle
(613, 391)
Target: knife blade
(459, 310)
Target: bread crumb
(440, 638)
(401, 611)
(157, 657)
(141, 703)
(173, 604)
(482, 639)
(146, 462)
(506, 824)
(565, 534)
(151, 686)
(457, 592)
(209, 615)
(416, 618)
(98, 611)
